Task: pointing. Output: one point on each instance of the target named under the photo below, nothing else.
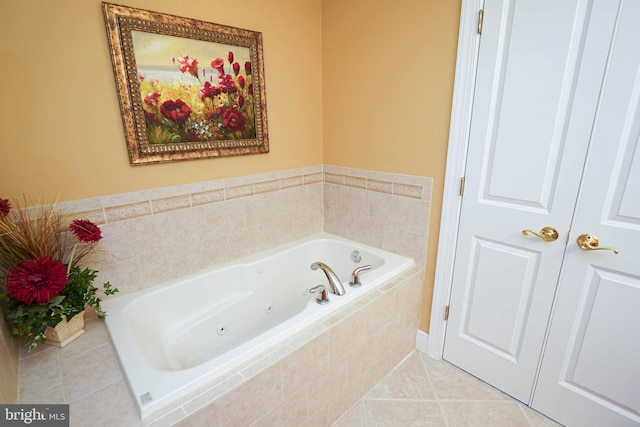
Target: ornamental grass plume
(29, 234)
(41, 280)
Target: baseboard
(422, 341)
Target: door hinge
(446, 313)
(480, 20)
(462, 186)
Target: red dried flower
(230, 57)
(241, 81)
(85, 230)
(36, 280)
(5, 206)
(247, 68)
(236, 68)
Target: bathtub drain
(222, 330)
(268, 308)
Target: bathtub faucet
(335, 285)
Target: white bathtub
(178, 336)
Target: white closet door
(533, 108)
(590, 375)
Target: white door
(540, 69)
(591, 366)
(529, 137)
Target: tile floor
(422, 391)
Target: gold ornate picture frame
(188, 89)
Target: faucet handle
(322, 298)
(355, 276)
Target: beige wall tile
(305, 364)
(354, 181)
(207, 417)
(239, 191)
(266, 186)
(202, 398)
(170, 203)
(334, 178)
(407, 190)
(294, 411)
(95, 215)
(205, 197)
(380, 186)
(291, 181)
(253, 399)
(312, 178)
(132, 210)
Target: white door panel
(590, 373)
(499, 331)
(523, 172)
(527, 82)
(552, 324)
(533, 79)
(597, 331)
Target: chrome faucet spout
(335, 285)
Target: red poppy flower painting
(188, 89)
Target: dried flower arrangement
(41, 280)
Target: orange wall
(356, 83)
(388, 70)
(61, 128)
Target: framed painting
(188, 89)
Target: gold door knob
(589, 242)
(548, 234)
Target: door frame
(459, 128)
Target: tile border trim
(121, 207)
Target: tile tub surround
(383, 210)
(310, 379)
(154, 236)
(158, 235)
